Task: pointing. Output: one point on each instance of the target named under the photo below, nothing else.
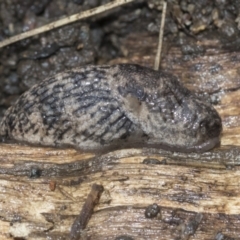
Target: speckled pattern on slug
(116, 106)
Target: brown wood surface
(198, 194)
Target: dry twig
(87, 210)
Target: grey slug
(101, 107)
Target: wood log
(42, 190)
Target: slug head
(169, 114)
(181, 121)
(194, 126)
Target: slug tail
(3, 130)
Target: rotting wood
(211, 188)
(183, 185)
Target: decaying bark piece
(42, 189)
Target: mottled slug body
(97, 107)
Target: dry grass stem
(159, 50)
(64, 21)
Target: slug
(102, 107)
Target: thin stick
(159, 50)
(87, 210)
(64, 21)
